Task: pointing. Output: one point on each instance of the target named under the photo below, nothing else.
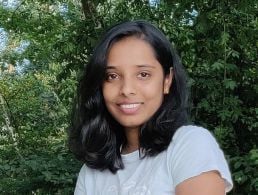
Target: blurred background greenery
(44, 45)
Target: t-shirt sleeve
(80, 184)
(194, 151)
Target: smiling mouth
(129, 108)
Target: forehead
(131, 51)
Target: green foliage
(50, 171)
(217, 41)
(245, 172)
(39, 160)
(44, 26)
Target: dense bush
(34, 156)
(217, 41)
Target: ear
(168, 81)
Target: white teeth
(128, 106)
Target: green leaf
(217, 66)
(230, 84)
(224, 38)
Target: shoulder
(193, 142)
(80, 184)
(84, 181)
(82, 174)
(83, 170)
(86, 171)
(194, 150)
(192, 133)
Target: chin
(130, 125)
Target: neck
(132, 140)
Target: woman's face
(135, 84)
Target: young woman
(130, 125)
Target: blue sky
(3, 39)
(154, 3)
(9, 4)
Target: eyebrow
(139, 66)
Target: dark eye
(111, 76)
(144, 75)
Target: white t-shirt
(192, 151)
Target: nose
(127, 88)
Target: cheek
(108, 93)
(154, 92)
(105, 93)
(154, 88)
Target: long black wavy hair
(95, 137)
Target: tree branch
(9, 127)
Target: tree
(217, 41)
